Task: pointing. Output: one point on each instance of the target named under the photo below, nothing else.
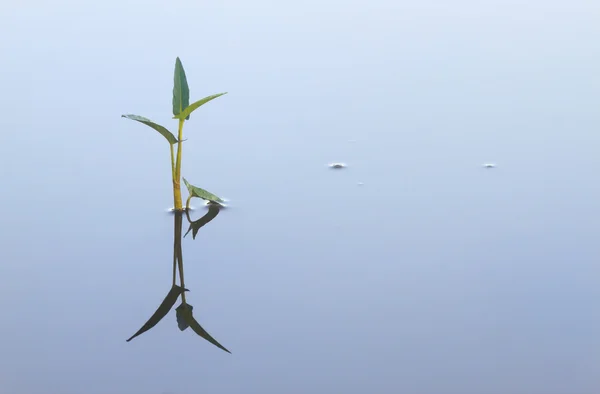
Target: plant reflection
(184, 312)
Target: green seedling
(182, 110)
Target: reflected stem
(181, 281)
(178, 252)
(175, 250)
(174, 268)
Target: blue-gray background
(435, 276)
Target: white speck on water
(360, 183)
(489, 165)
(337, 165)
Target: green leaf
(186, 313)
(162, 130)
(201, 193)
(187, 111)
(181, 91)
(162, 310)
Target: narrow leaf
(188, 110)
(162, 310)
(213, 211)
(189, 317)
(181, 91)
(162, 130)
(201, 193)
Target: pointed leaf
(162, 310)
(162, 130)
(213, 211)
(180, 311)
(187, 111)
(201, 193)
(181, 91)
(189, 317)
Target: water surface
(434, 276)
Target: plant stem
(177, 177)
(173, 176)
(172, 162)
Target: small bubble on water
(337, 165)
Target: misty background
(434, 276)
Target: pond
(412, 267)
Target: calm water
(434, 276)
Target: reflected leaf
(181, 91)
(188, 110)
(213, 211)
(162, 130)
(201, 193)
(162, 310)
(181, 322)
(186, 313)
